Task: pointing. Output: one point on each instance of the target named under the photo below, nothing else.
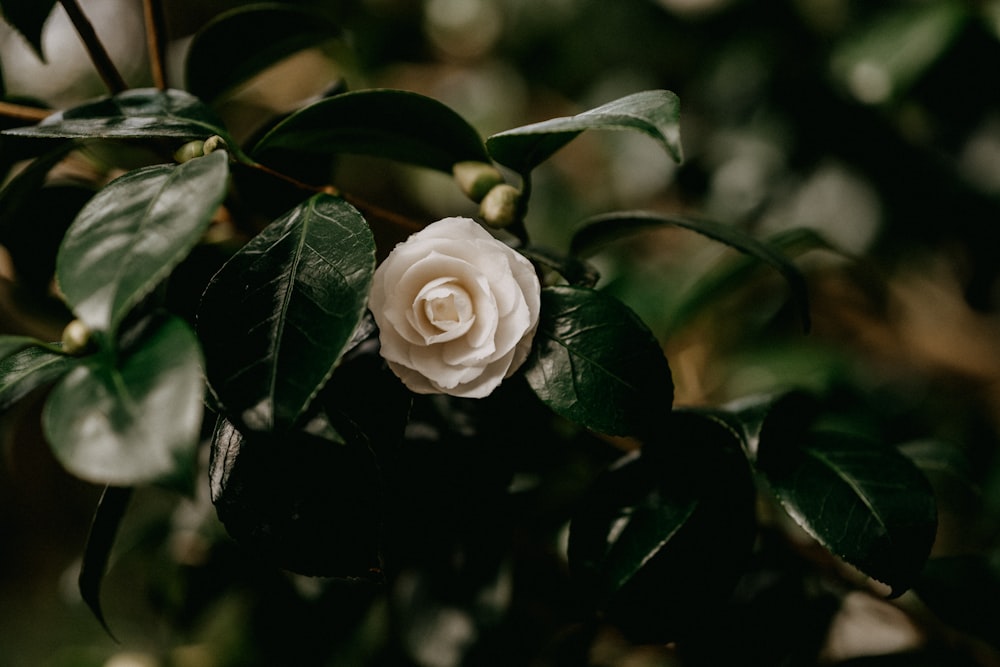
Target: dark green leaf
(278, 316)
(664, 534)
(303, 502)
(730, 275)
(140, 113)
(950, 472)
(28, 17)
(29, 369)
(393, 124)
(596, 231)
(107, 518)
(240, 43)
(655, 113)
(865, 502)
(133, 419)
(12, 344)
(575, 271)
(36, 229)
(129, 237)
(28, 181)
(595, 363)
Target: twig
(155, 41)
(22, 112)
(397, 220)
(102, 61)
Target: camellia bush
(451, 428)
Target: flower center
(447, 306)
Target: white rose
(456, 309)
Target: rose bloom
(456, 309)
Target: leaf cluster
(321, 462)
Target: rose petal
(456, 308)
(428, 361)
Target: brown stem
(102, 61)
(22, 112)
(401, 222)
(155, 40)
(290, 180)
(399, 226)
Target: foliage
(259, 352)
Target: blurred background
(862, 138)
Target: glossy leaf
(864, 501)
(28, 369)
(664, 534)
(655, 113)
(240, 43)
(280, 313)
(108, 516)
(595, 363)
(28, 17)
(300, 501)
(596, 231)
(132, 418)
(12, 344)
(730, 274)
(16, 192)
(129, 237)
(140, 113)
(393, 124)
(577, 272)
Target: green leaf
(278, 316)
(140, 113)
(28, 17)
(595, 363)
(12, 344)
(665, 533)
(655, 113)
(393, 124)
(883, 60)
(300, 501)
(129, 237)
(575, 271)
(17, 192)
(864, 501)
(236, 45)
(133, 419)
(595, 232)
(32, 367)
(108, 516)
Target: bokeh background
(863, 138)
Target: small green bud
(214, 143)
(476, 179)
(501, 206)
(76, 337)
(190, 151)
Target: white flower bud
(190, 151)
(213, 143)
(76, 337)
(475, 179)
(501, 206)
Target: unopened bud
(501, 206)
(214, 143)
(75, 337)
(190, 151)
(476, 179)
